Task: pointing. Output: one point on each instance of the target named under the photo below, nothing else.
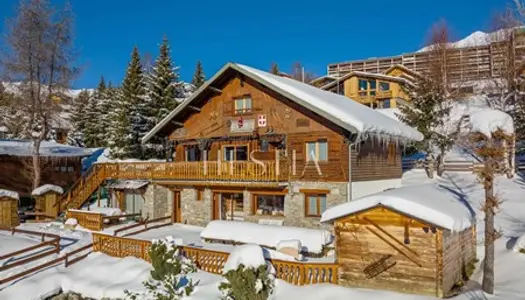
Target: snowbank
(430, 203)
(488, 121)
(25, 148)
(312, 240)
(46, 188)
(71, 222)
(250, 255)
(520, 244)
(8, 193)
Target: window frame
(235, 146)
(317, 151)
(318, 196)
(384, 82)
(255, 203)
(243, 110)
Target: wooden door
(215, 212)
(177, 211)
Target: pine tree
(131, 121)
(114, 96)
(163, 89)
(198, 77)
(275, 69)
(77, 110)
(93, 114)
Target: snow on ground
(46, 188)
(70, 240)
(91, 276)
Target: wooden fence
(88, 219)
(55, 242)
(211, 261)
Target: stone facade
(199, 211)
(158, 202)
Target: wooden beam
(215, 89)
(177, 123)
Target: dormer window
(243, 105)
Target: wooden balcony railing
(206, 171)
(298, 273)
(383, 94)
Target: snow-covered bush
(168, 277)
(246, 275)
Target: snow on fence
(298, 273)
(450, 166)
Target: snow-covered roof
(25, 148)
(344, 112)
(429, 203)
(8, 193)
(127, 184)
(47, 188)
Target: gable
(217, 116)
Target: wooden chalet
(249, 145)
(376, 90)
(61, 164)
(418, 240)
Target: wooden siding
(15, 172)
(283, 117)
(459, 249)
(370, 161)
(371, 252)
(9, 212)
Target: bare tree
(298, 73)
(39, 57)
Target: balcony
(384, 94)
(228, 171)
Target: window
(317, 150)
(235, 153)
(384, 86)
(367, 87)
(243, 105)
(386, 103)
(269, 205)
(192, 153)
(315, 204)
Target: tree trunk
(37, 174)
(429, 166)
(490, 233)
(441, 163)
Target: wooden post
(98, 197)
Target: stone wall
(199, 211)
(158, 202)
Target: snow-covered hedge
(41, 190)
(312, 240)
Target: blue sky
(258, 33)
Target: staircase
(268, 172)
(84, 187)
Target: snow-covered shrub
(519, 245)
(247, 276)
(168, 277)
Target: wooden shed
(9, 209)
(47, 199)
(418, 240)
